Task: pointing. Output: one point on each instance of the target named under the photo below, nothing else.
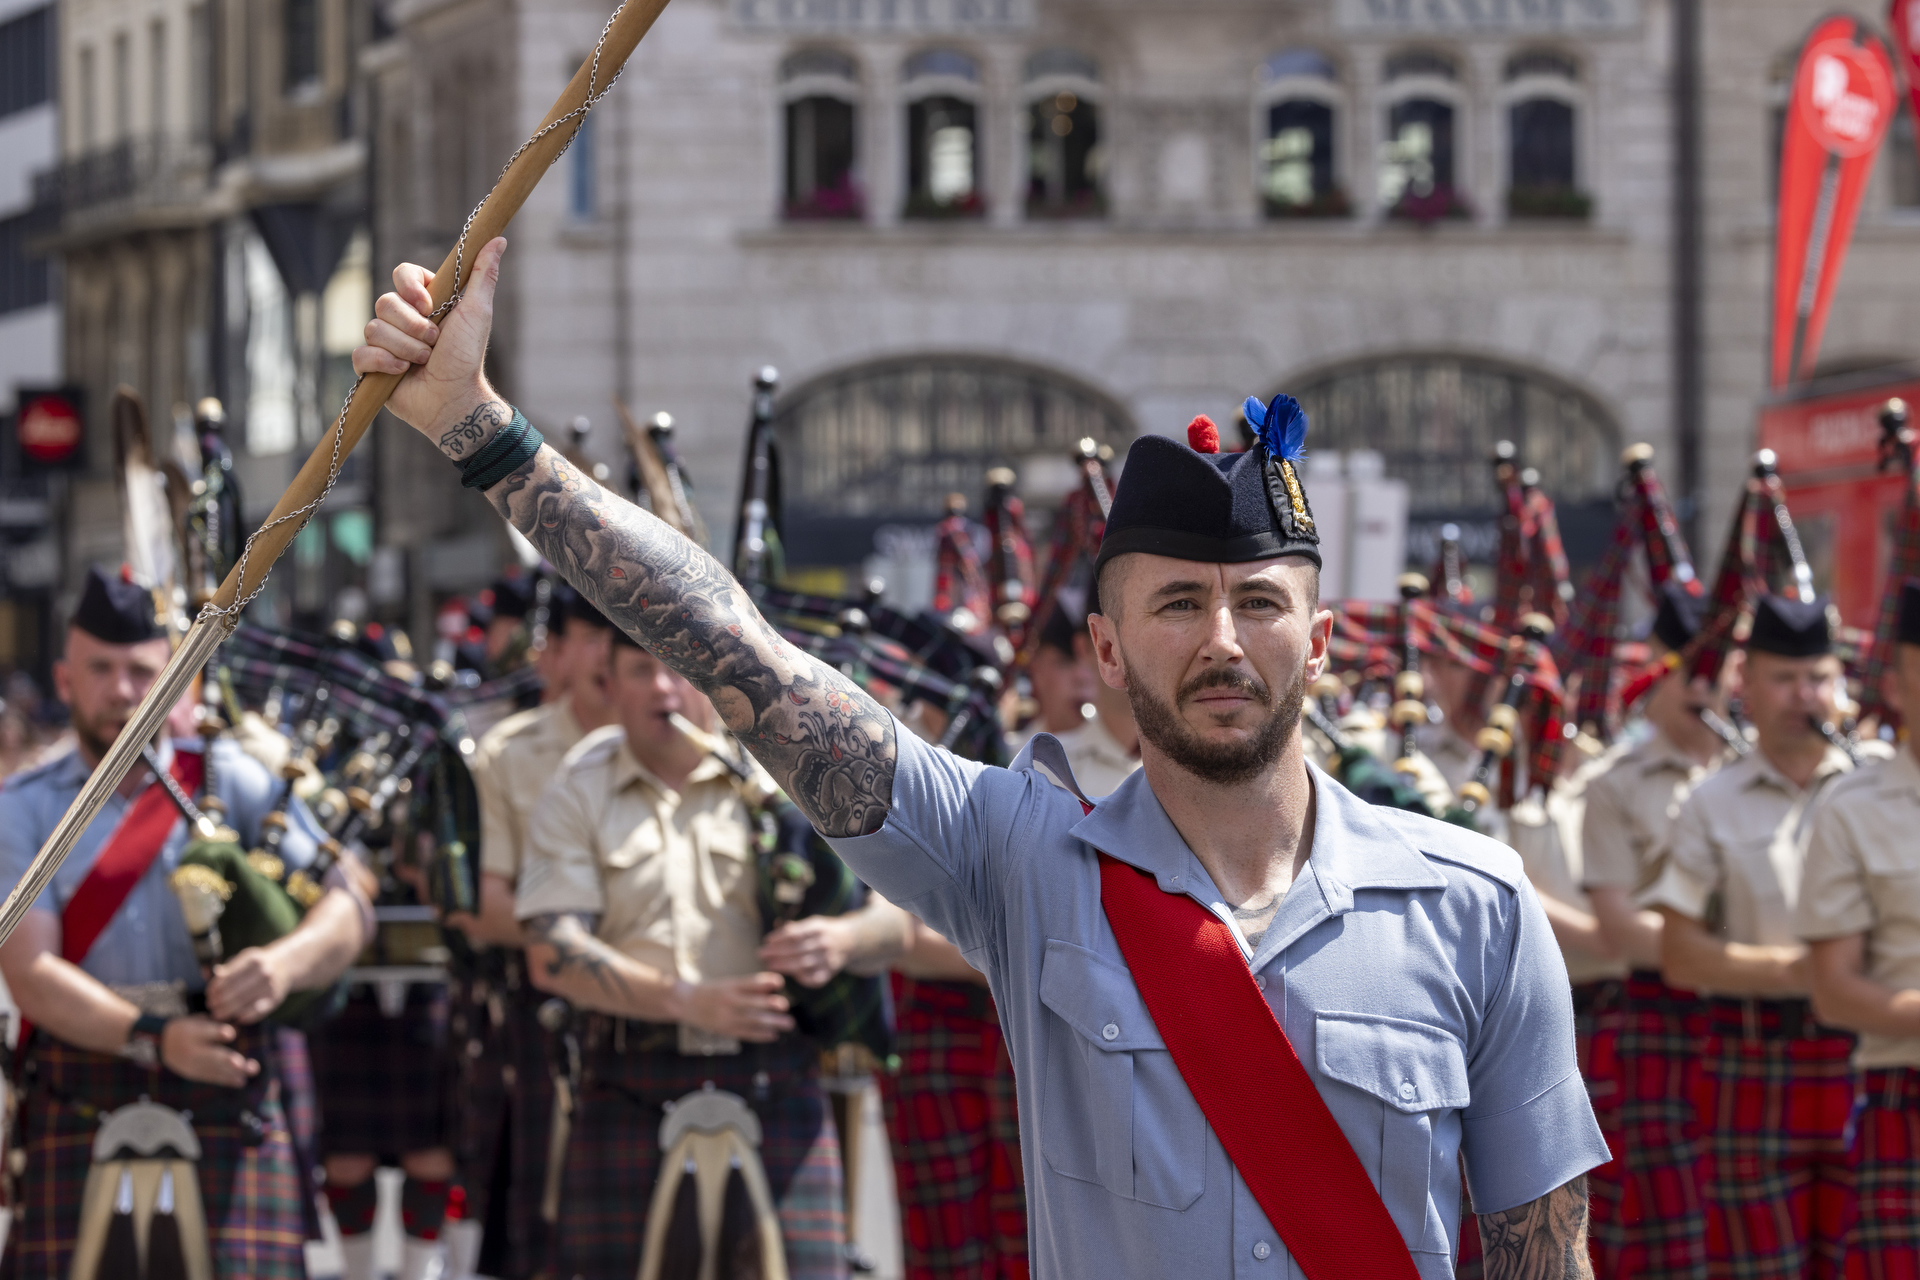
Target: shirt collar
(1353, 848)
(628, 770)
(1763, 770)
(1661, 753)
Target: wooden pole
(629, 23)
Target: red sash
(124, 858)
(1243, 1072)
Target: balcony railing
(140, 172)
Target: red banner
(1841, 106)
(1903, 19)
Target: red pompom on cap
(1203, 435)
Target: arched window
(882, 444)
(943, 152)
(1435, 419)
(1298, 107)
(1065, 159)
(821, 180)
(1416, 178)
(1543, 179)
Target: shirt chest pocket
(1114, 1110)
(1404, 1073)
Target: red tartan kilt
(1777, 1165)
(955, 1130)
(1884, 1243)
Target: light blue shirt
(147, 939)
(1410, 965)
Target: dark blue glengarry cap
(116, 609)
(1192, 502)
(1906, 624)
(1677, 620)
(1790, 628)
(581, 609)
(512, 597)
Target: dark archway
(1436, 418)
(883, 443)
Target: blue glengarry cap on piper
(1192, 502)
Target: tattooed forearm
(1544, 1239)
(820, 736)
(577, 951)
(474, 430)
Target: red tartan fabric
(960, 581)
(1587, 647)
(1596, 1019)
(956, 1137)
(1779, 1176)
(1884, 1243)
(1652, 1203)
(1366, 638)
(1010, 560)
(1902, 567)
(1075, 540)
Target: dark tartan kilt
(383, 1082)
(955, 1131)
(249, 1182)
(1884, 1243)
(1778, 1163)
(614, 1155)
(300, 1099)
(1648, 1204)
(505, 1113)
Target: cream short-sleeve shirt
(511, 767)
(1863, 877)
(1631, 804)
(671, 876)
(1740, 841)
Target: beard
(1221, 763)
(96, 733)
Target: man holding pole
(103, 966)
(1255, 1021)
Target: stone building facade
(964, 230)
(203, 207)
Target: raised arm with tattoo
(823, 739)
(1544, 1239)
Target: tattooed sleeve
(819, 735)
(1544, 1239)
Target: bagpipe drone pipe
(378, 753)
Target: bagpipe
(377, 752)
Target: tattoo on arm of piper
(1544, 1239)
(576, 950)
(474, 430)
(817, 732)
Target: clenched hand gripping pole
(322, 468)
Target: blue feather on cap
(1281, 426)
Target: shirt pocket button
(1110, 1032)
(1407, 1090)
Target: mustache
(1225, 678)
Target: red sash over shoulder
(125, 857)
(1243, 1072)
